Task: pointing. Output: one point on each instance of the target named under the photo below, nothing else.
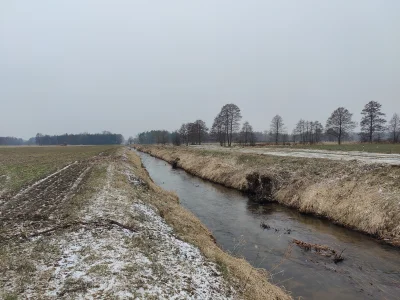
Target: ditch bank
(359, 196)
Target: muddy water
(370, 270)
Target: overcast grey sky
(128, 66)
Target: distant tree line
(152, 137)
(191, 133)
(12, 141)
(226, 129)
(104, 138)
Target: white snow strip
(364, 157)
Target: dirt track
(365, 157)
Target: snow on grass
(183, 260)
(120, 263)
(109, 202)
(92, 262)
(99, 260)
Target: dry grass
(355, 195)
(250, 282)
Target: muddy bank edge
(363, 197)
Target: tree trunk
(370, 131)
(230, 138)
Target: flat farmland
(20, 166)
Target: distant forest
(104, 138)
(226, 129)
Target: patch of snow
(108, 251)
(133, 179)
(183, 260)
(363, 157)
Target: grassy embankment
(81, 214)
(363, 197)
(250, 282)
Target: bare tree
(39, 139)
(340, 124)
(394, 127)
(184, 133)
(277, 127)
(230, 113)
(372, 121)
(176, 138)
(300, 130)
(192, 129)
(130, 140)
(162, 137)
(308, 131)
(246, 134)
(201, 130)
(316, 131)
(218, 129)
(266, 135)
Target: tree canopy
(340, 123)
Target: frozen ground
(118, 247)
(365, 157)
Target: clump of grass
(100, 269)
(130, 269)
(25, 267)
(10, 296)
(222, 267)
(72, 286)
